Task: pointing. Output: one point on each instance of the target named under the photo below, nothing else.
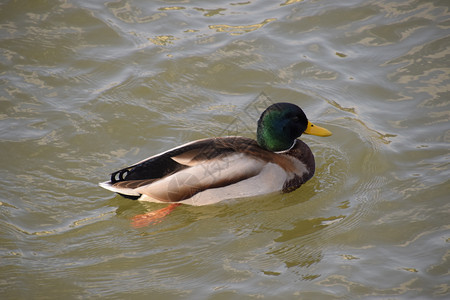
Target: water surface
(88, 87)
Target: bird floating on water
(210, 170)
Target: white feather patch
(204, 176)
(126, 191)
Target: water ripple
(88, 87)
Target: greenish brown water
(88, 87)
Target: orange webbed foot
(153, 217)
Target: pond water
(88, 87)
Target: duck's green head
(281, 123)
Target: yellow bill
(317, 130)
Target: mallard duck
(214, 169)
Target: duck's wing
(179, 173)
